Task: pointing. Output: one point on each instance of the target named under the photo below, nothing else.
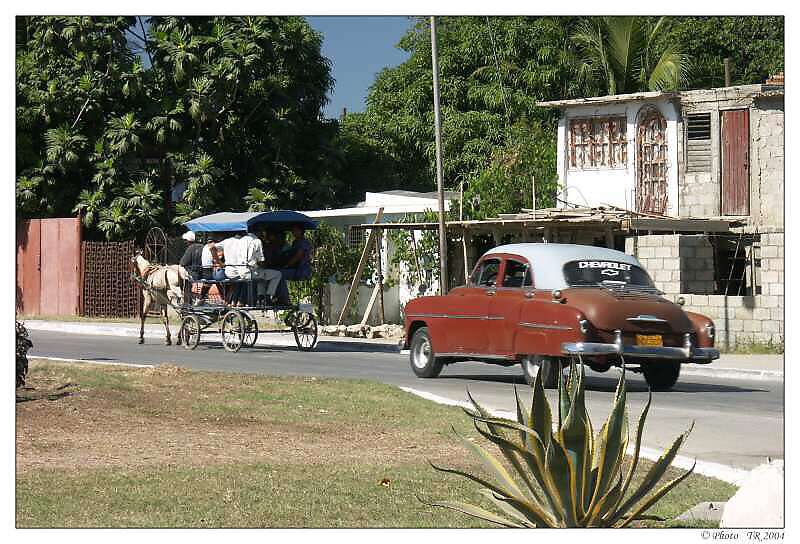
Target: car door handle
(529, 294)
(490, 293)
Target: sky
(358, 48)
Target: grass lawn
(166, 447)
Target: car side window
(486, 273)
(517, 274)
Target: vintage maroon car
(539, 304)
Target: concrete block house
(702, 154)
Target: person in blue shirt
(298, 263)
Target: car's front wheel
(548, 367)
(423, 360)
(661, 375)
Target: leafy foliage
(229, 108)
(493, 71)
(23, 345)
(755, 46)
(333, 261)
(629, 54)
(567, 477)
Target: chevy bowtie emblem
(610, 272)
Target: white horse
(165, 284)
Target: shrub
(23, 345)
(566, 477)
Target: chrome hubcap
(422, 354)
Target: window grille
(598, 142)
(356, 238)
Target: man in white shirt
(266, 279)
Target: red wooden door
(29, 267)
(736, 162)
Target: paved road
(738, 423)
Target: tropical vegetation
(134, 121)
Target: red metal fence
(49, 267)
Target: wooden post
(370, 305)
(609, 238)
(727, 62)
(416, 256)
(360, 268)
(378, 250)
(464, 247)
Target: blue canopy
(243, 221)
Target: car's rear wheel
(661, 375)
(548, 367)
(423, 360)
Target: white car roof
(548, 260)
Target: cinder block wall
(680, 263)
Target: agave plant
(564, 476)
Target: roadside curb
(156, 332)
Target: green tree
(228, 104)
(245, 93)
(755, 46)
(630, 54)
(493, 71)
(69, 83)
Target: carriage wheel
(232, 330)
(304, 327)
(190, 331)
(250, 331)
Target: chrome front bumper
(686, 353)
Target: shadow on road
(609, 384)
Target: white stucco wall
(597, 186)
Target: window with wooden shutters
(698, 142)
(598, 142)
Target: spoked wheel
(250, 330)
(190, 332)
(304, 327)
(232, 329)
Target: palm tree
(122, 133)
(63, 147)
(630, 54)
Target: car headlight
(584, 324)
(710, 330)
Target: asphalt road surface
(738, 423)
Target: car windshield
(609, 273)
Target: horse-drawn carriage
(236, 324)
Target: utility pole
(437, 116)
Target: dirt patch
(126, 417)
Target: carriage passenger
(191, 260)
(266, 279)
(298, 262)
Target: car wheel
(661, 375)
(423, 360)
(549, 367)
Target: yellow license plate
(649, 340)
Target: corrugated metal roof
(613, 98)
